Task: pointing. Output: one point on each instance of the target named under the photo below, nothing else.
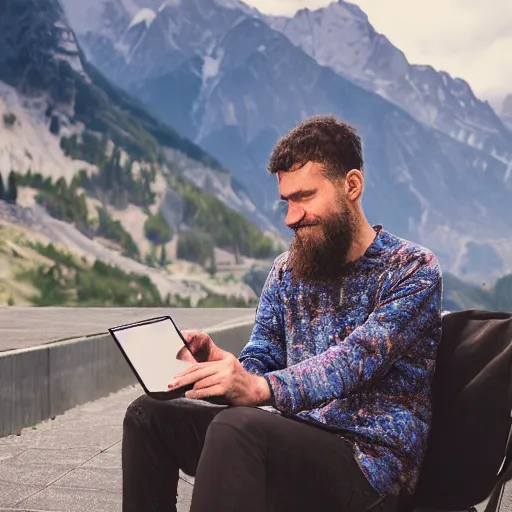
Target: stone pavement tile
(507, 499)
(73, 500)
(188, 479)
(13, 442)
(31, 474)
(79, 436)
(106, 479)
(106, 460)
(184, 496)
(97, 420)
(9, 452)
(23, 510)
(11, 494)
(116, 448)
(67, 456)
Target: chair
(469, 452)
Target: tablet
(154, 350)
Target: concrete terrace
(73, 462)
(60, 363)
(26, 327)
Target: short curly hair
(322, 139)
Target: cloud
(470, 39)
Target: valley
(234, 80)
(137, 134)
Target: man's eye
(282, 206)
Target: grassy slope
(39, 273)
(18, 258)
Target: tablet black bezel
(160, 395)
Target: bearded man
(342, 355)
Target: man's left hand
(225, 378)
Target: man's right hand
(202, 347)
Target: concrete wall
(40, 383)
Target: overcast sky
(471, 39)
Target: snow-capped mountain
(340, 36)
(225, 77)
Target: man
(343, 352)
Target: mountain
(223, 76)
(506, 111)
(91, 168)
(459, 295)
(46, 82)
(340, 36)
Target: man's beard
(318, 254)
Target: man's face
(323, 221)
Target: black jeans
(244, 459)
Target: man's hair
(321, 139)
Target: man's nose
(294, 215)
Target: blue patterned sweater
(358, 356)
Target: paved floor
(26, 327)
(73, 463)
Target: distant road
(23, 327)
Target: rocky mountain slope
(341, 36)
(45, 80)
(506, 111)
(234, 81)
(105, 178)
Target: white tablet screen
(153, 350)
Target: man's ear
(354, 184)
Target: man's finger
(192, 377)
(212, 380)
(216, 390)
(194, 368)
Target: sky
(470, 39)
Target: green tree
(195, 247)
(212, 268)
(163, 257)
(9, 120)
(147, 176)
(2, 188)
(55, 125)
(151, 257)
(114, 230)
(12, 188)
(69, 281)
(157, 230)
(229, 229)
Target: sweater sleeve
(408, 313)
(265, 351)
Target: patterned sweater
(358, 356)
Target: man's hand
(225, 377)
(202, 347)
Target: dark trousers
(244, 460)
